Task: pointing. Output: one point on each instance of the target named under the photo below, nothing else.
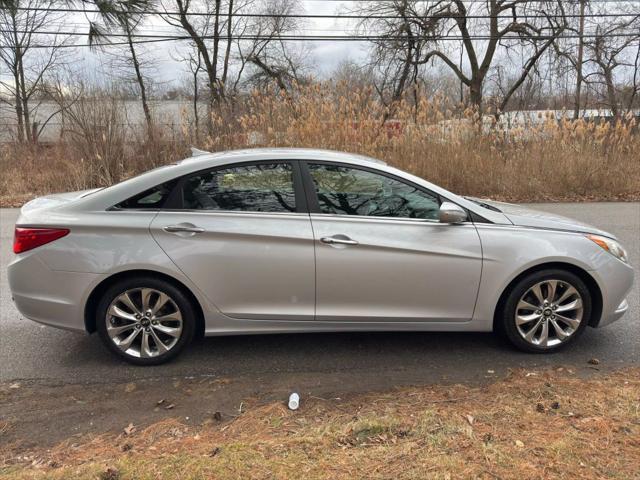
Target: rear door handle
(183, 228)
(339, 239)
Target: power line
(321, 16)
(301, 38)
(326, 37)
(97, 45)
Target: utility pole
(576, 111)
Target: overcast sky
(325, 55)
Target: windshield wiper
(484, 205)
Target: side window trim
(312, 197)
(174, 201)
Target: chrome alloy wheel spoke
(144, 322)
(549, 313)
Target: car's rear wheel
(546, 311)
(145, 320)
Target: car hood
(529, 217)
(55, 200)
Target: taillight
(27, 238)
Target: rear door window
(263, 187)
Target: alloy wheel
(144, 322)
(549, 313)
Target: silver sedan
(295, 240)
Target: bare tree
(126, 18)
(193, 61)
(353, 75)
(414, 29)
(30, 58)
(571, 51)
(397, 55)
(610, 52)
(129, 24)
(217, 23)
(274, 60)
(579, 64)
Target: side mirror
(451, 213)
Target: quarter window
(351, 191)
(248, 188)
(153, 198)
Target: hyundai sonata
(294, 240)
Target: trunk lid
(55, 200)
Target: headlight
(611, 246)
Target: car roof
(253, 154)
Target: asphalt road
(321, 362)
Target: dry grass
(547, 160)
(547, 425)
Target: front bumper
(51, 297)
(615, 280)
(615, 315)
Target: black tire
(506, 320)
(182, 302)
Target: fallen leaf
(519, 444)
(129, 429)
(470, 419)
(129, 387)
(171, 406)
(14, 386)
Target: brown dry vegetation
(547, 424)
(547, 160)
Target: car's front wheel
(546, 311)
(145, 320)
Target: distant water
(169, 113)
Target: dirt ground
(547, 423)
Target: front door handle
(183, 228)
(339, 239)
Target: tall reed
(544, 158)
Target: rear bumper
(54, 298)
